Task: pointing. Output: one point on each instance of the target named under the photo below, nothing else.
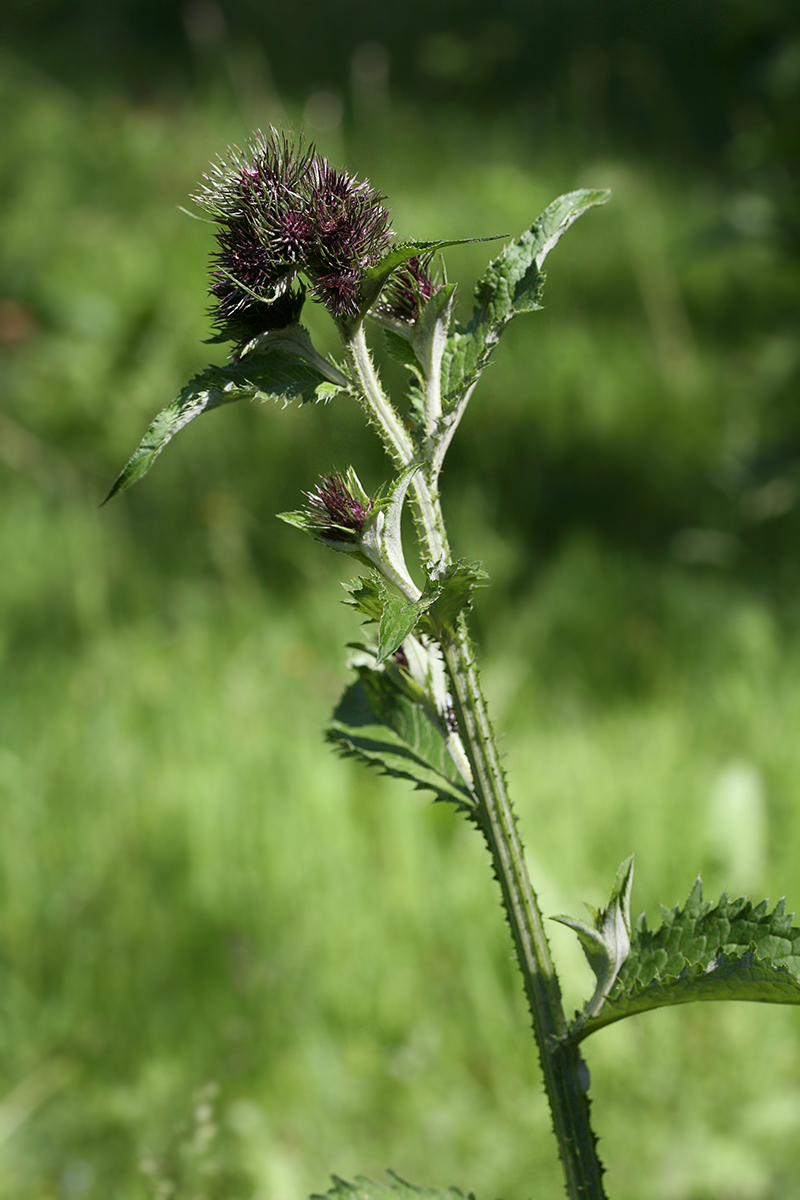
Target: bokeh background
(230, 963)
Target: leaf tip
(116, 487)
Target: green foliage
(732, 950)
(452, 591)
(367, 596)
(376, 277)
(280, 366)
(380, 723)
(399, 618)
(446, 595)
(510, 286)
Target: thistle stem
(374, 401)
(565, 1073)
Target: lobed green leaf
(366, 595)
(382, 726)
(511, 285)
(452, 592)
(281, 365)
(401, 350)
(445, 597)
(399, 618)
(733, 950)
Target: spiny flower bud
(337, 514)
(408, 290)
(282, 211)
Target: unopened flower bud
(408, 290)
(335, 512)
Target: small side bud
(336, 512)
(408, 290)
(607, 941)
(341, 515)
(340, 506)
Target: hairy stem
(376, 404)
(565, 1073)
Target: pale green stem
(405, 586)
(433, 412)
(379, 411)
(565, 1073)
(393, 433)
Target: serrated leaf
(511, 285)
(400, 349)
(399, 618)
(378, 723)
(366, 595)
(281, 365)
(397, 1189)
(733, 950)
(452, 590)
(446, 595)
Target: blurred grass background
(229, 962)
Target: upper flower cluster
(283, 210)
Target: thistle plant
(290, 229)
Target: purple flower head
(251, 293)
(336, 512)
(281, 211)
(338, 291)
